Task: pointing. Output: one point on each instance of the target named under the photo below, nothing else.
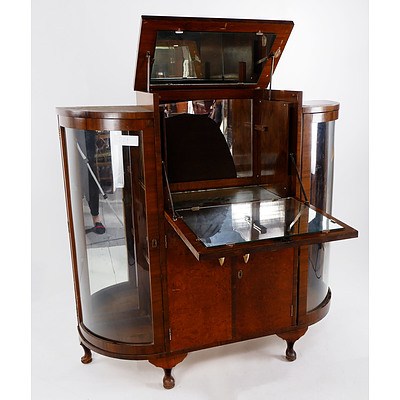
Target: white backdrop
(84, 53)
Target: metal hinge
(291, 310)
(170, 334)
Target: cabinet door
(111, 177)
(265, 293)
(199, 296)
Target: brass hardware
(246, 258)
(221, 261)
(240, 274)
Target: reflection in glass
(102, 207)
(215, 197)
(113, 279)
(210, 57)
(252, 221)
(322, 163)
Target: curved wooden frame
(159, 352)
(319, 312)
(133, 118)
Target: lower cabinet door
(199, 297)
(265, 291)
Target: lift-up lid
(223, 222)
(208, 52)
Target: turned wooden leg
(291, 337)
(167, 363)
(87, 357)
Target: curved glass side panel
(109, 228)
(322, 162)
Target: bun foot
(167, 363)
(168, 380)
(290, 353)
(87, 357)
(291, 337)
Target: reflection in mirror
(210, 57)
(253, 221)
(103, 211)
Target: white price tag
(126, 140)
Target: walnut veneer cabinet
(201, 216)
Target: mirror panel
(210, 57)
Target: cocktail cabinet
(202, 215)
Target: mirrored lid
(208, 52)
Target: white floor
(107, 267)
(332, 361)
(106, 253)
(333, 356)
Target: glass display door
(108, 201)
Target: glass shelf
(250, 221)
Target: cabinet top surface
(318, 106)
(208, 52)
(107, 112)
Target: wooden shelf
(116, 315)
